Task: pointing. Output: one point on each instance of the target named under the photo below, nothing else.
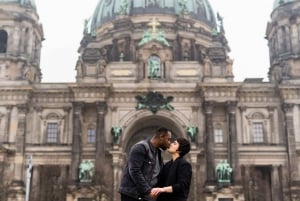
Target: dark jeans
(127, 198)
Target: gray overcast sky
(245, 24)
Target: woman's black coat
(177, 174)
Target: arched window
(91, 135)
(52, 129)
(52, 132)
(258, 128)
(3, 41)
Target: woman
(175, 178)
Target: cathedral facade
(142, 65)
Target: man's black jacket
(137, 179)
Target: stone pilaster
(118, 164)
(247, 182)
(194, 153)
(35, 183)
(77, 140)
(17, 187)
(291, 144)
(66, 129)
(100, 141)
(276, 184)
(7, 123)
(232, 142)
(209, 143)
(20, 143)
(273, 135)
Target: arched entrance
(142, 126)
(145, 127)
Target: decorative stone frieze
(219, 93)
(15, 95)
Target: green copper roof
(25, 3)
(108, 10)
(280, 2)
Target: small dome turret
(24, 3)
(281, 2)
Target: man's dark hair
(162, 130)
(184, 146)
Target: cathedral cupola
(283, 35)
(108, 10)
(21, 37)
(154, 40)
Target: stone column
(66, 129)
(7, 123)
(17, 186)
(291, 144)
(209, 143)
(232, 142)
(100, 142)
(276, 184)
(20, 143)
(127, 51)
(194, 153)
(77, 140)
(273, 134)
(35, 184)
(115, 53)
(247, 182)
(118, 164)
(193, 50)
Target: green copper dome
(108, 10)
(25, 3)
(281, 2)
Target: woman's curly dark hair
(184, 146)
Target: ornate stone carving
(154, 101)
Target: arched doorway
(145, 127)
(142, 126)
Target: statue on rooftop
(123, 7)
(183, 6)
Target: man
(143, 167)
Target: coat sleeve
(136, 162)
(184, 176)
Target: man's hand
(155, 192)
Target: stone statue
(229, 63)
(192, 132)
(146, 38)
(29, 74)
(100, 66)
(154, 68)
(122, 56)
(123, 7)
(86, 171)
(207, 66)
(116, 133)
(160, 37)
(86, 26)
(223, 171)
(183, 6)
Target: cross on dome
(154, 23)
